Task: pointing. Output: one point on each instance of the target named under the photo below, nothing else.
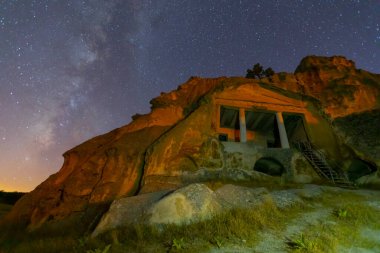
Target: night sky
(71, 70)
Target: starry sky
(71, 70)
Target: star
(71, 70)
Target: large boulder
(197, 202)
(191, 203)
(242, 197)
(125, 211)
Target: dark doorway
(295, 128)
(269, 166)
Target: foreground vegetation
(7, 200)
(4, 208)
(343, 230)
(10, 198)
(244, 227)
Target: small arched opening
(269, 166)
(359, 168)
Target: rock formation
(181, 140)
(197, 202)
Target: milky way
(70, 70)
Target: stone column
(243, 127)
(282, 131)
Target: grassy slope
(7, 200)
(235, 228)
(4, 208)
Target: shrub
(258, 71)
(300, 243)
(10, 198)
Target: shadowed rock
(191, 203)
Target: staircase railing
(335, 166)
(309, 153)
(319, 161)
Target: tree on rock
(250, 74)
(258, 71)
(269, 72)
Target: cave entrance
(270, 166)
(359, 168)
(295, 128)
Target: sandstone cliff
(335, 83)
(107, 166)
(175, 143)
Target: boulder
(126, 211)
(194, 202)
(197, 202)
(242, 197)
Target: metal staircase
(319, 162)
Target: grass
(301, 243)
(10, 198)
(342, 228)
(341, 232)
(4, 208)
(233, 227)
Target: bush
(258, 71)
(10, 198)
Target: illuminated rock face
(108, 166)
(213, 129)
(338, 85)
(208, 145)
